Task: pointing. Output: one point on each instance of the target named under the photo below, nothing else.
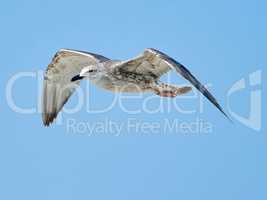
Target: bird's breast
(104, 82)
(123, 84)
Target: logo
(254, 119)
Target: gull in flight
(140, 74)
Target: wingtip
(46, 124)
(227, 116)
(48, 119)
(229, 119)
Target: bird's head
(90, 72)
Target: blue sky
(220, 42)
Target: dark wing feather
(184, 72)
(152, 61)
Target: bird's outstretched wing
(57, 80)
(154, 62)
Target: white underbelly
(120, 85)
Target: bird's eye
(91, 70)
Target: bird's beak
(82, 74)
(76, 78)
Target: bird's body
(140, 74)
(118, 81)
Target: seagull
(139, 74)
